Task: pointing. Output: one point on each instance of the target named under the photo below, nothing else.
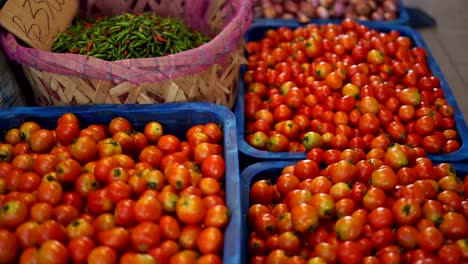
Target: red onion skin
(390, 16)
(279, 8)
(338, 9)
(291, 6)
(302, 18)
(288, 16)
(377, 15)
(307, 9)
(322, 12)
(269, 12)
(389, 5)
(303, 10)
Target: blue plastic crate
(249, 154)
(176, 119)
(402, 19)
(271, 170)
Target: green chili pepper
(127, 36)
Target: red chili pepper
(87, 24)
(90, 46)
(75, 51)
(125, 53)
(160, 39)
(127, 41)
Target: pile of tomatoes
(108, 193)
(343, 86)
(360, 210)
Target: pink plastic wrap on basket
(236, 17)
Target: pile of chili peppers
(127, 36)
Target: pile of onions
(304, 10)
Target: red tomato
(381, 217)
(84, 148)
(117, 238)
(214, 167)
(406, 211)
(102, 255)
(80, 227)
(190, 209)
(13, 214)
(52, 251)
(8, 246)
(145, 236)
(51, 230)
(430, 238)
(79, 248)
(384, 178)
(349, 252)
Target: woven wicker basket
(56, 79)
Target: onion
(362, 8)
(378, 14)
(315, 3)
(291, 6)
(288, 16)
(364, 18)
(269, 11)
(303, 10)
(326, 3)
(307, 9)
(302, 17)
(372, 5)
(258, 11)
(338, 9)
(279, 8)
(389, 5)
(390, 15)
(322, 12)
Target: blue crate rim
(461, 126)
(231, 252)
(402, 19)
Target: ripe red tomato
(51, 230)
(13, 213)
(84, 149)
(430, 238)
(190, 209)
(381, 217)
(406, 211)
(102, 254)
(384, 178)
(41, 140)
(214, 167)
(68, 170)
(79, 248)
(304, 217)
(349, 252)
(454, 226)
(8, 246)
(117, 238)
(52, 251)
(210, 240)
(66, 132)
(407, 236)
(261, 192)
(98, 202)
(145, 236)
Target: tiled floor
(448, 42)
